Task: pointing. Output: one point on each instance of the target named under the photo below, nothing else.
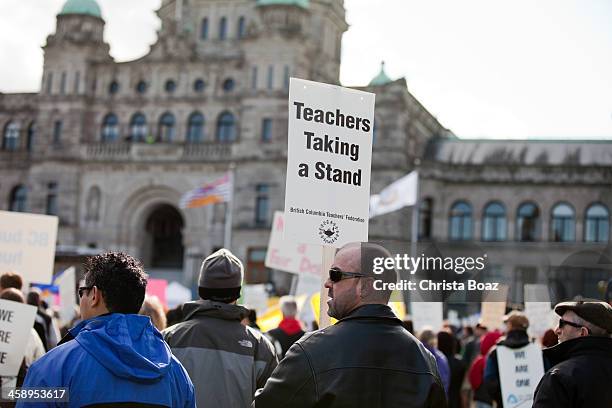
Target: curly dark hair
(120, 278)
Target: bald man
(367, 359)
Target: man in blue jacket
(114, 357)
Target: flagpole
(414, 233)
(227, 236)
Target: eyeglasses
(336, 274)
(82, 289)
(566, 322)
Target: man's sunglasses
(336, 274)
(565, 322)
(82, 290)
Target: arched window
(110, 128)
(494, 222)
(226, 127)
(166, 127)
(199, 85)
(228, 85)
(241, 27)
(527, 222)
(170, 86)
(195, 128)
(204, 29)
(425, 218)
(138, 127)
(563, 223)
(10, 137)
(460, 222)
(113, 88)
(141, 87)
(597, 224)
(31, 137)
(223, 28)
(93, 204)
(18, 200)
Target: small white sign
(520, 371)
(66, 281)
(291, 257)
(255, 297)
(27, 245)
(493, 312)
(427, 314)
(328, 163)
(16, 322)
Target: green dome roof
(89, 7)
(300, 3)
(382, 78)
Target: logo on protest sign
(328, 163)
(329, 232)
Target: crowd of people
(124, 348)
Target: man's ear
(96, 299)
(365, 288)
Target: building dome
(88, 7)
(300, 3)
(382, 78)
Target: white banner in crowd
(16, 322)
(255, 297)
(66, 281)
(520, 371)
(400, 193)
(426, 314)
(328, 164)
(537, 309)
(291, 257)
(27, 245)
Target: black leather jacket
(365, 360)
(581, 376)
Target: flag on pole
(400, 193)
(219, 191)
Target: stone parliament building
(111, 147)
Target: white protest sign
(27, 245)
(537, 309)
(425, 314)
(66, 281)
(520, 371)
(307, 285)
(291, 257)
(16, 322)
(492, 312)
(255, 297)
(328, 164)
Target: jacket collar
(515, 338)
(376, 311)
(578, 346)
(217, 310)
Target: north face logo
(245, 343)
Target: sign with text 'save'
(27, 245)
(520, 371)
(328, 164)
(16, 322)
(288, 256)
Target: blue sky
(484, 68)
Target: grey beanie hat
(221, 270)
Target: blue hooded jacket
(113, 358)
